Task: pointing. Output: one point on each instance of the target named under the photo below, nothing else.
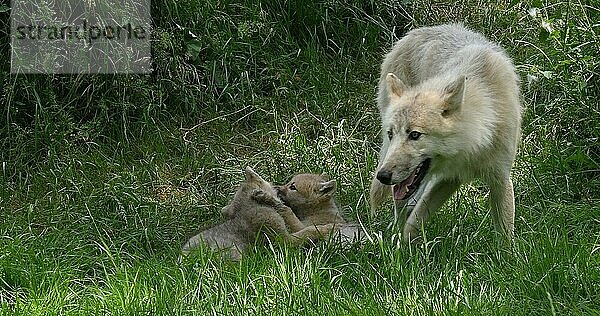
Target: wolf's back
(425, 52)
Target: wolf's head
(307, 191)
(254, 181)
(242, 196)
(420, 125)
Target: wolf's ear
(454, 93)
(251, 174)
(395, 86)
(227, 210)
(327, 188)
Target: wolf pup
(254, 213)
(312, 198)
(450, 112)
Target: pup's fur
(458, 94)
(312, 198)
(255, 213)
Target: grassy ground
(104, 177)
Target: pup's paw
(326, 229)
(263, 197)
(283, 209)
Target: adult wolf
(450, 112)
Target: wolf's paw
(326, 229)
(284, 210)
(411, 235)
(263, 197)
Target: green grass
(104, 177)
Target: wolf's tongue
(401, 189)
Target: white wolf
(450, 112)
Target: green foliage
(103, 177)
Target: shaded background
(98, 167)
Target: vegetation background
(103, 177)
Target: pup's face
(305, 190)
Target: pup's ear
(454, 93)
(395, 86)
(327, 188)
(251, 174)
(227, 210)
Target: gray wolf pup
(450, 112)
(255, 213)
(312, 198)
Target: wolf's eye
(390, 134)
(293, 186)
(414, 135)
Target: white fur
(468, 132)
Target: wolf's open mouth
(406, 188)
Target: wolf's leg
(403, 208)
(502, 202)
(192, 243)
(310, 233)
(290, 219)
(306, 234)
(379, 192)
(434, 195)
(277, 220)
(303, 231)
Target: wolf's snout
(279, 191)
(384, 177)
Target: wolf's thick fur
(312, 198)
(450, 112)
(254, 213)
